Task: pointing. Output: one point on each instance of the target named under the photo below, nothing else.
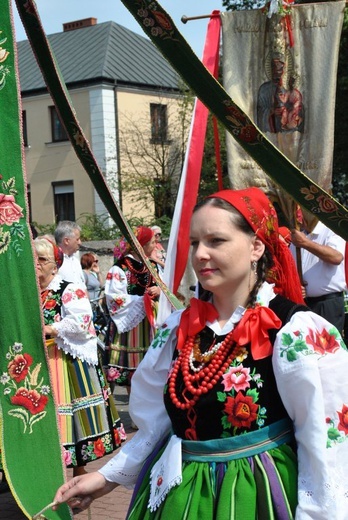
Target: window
(158, 114)
(64, 203)
(24, 127)
(58, 130)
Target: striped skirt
(127, 349)
(248, 485)
(88, 421)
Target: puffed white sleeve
(126, 310)
(310, 363)
(146, 407)
(75, 329)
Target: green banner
(158, 26)
(31, 449)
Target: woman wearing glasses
(88, 420)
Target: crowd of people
(239, 400)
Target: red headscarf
(122, 247)
(259, 212)
(144, 235)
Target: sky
(54, 13)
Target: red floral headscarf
(259, 212)
(122, 247)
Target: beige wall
(48, 162)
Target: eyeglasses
(158, 234)
(44, 260)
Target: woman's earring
(254, 266)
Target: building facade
(119, 84)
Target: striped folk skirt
(248, 485)
(126, 350)
(88, 420)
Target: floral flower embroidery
(31, 397)
(161, 337)
(324, 342)
(113, 374)
(343, 417)
(337, 428)
(18, 368)
(241, 410)
(237, 378)
(10, 215)
(309, 192)
(99, 448)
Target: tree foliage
(151, 168)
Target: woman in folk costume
(251, 388)
(131, 296)
(87, 417)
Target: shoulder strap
(285, 308)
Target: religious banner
(159, 26)
(281, 70)
(30, 444)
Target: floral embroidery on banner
(240, 397)
(26, 388)
(155, 20)
(10, 215)
(324, 342)
(242, 126)
(323, 203)
(337, 430)
(4, 70)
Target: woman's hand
(50, 331)
(80, 491)
(154, 291)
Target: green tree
(151, 168)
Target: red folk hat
(259, 212)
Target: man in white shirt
(68, 238)
(322, 258)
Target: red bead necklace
(200, 382)
(143, 271)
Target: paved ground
(111, 507)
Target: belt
(329, 296)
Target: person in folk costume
(131, 296)
(88, 421)
(255, 389)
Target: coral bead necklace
(204, 377)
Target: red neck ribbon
(253, 328)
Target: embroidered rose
(324, 342)
(50, 304)
(18, 368)
(326, 204)
(99, 448)
(248, 134)
(80, 293)
(113, 373)
(67, 297)
(241, 410)
(163, 21)
(237, 378)
(30, 399)
(67, 457)
(10, 212)
(343, 417)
